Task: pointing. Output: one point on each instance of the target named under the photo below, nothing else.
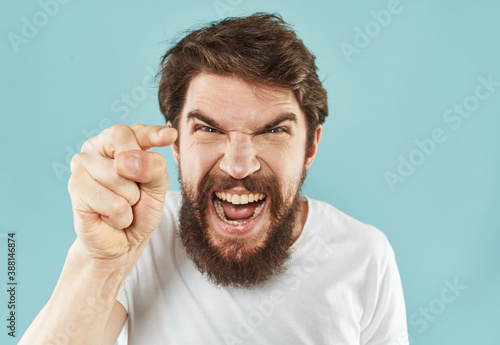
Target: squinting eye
(207, 129)
(276, 130)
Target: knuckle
(157, 166)
(71, 184)
(119, 132)
(160, 162)
(75, 180)
(119, 206)
(76, 161)
(137, 127)
(90, 144)
(134, 196)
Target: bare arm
(117, 191)
(115, 324)
(80, 305)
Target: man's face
(242, 158)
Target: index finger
(119, 138)
(149, 136)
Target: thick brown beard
(235, 262)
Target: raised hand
(118, 188)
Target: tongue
(238, 212)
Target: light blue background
(443, 220)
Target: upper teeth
(237, 199)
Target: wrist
(83, 259)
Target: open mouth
(237, 209)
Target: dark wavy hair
(260, 48)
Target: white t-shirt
(342, 286)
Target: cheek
(196, 161)
(286, 161)
(288, 168)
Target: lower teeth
(220, 212)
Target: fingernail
(132, 164)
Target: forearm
(78, 310)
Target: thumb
(149, 169)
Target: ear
(314, 148)
(174, 146)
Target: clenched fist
(118, 188)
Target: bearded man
(238, 256)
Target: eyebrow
(198, 114)
(280, 119)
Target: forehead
(238, 104)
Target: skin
(118, 190)
(224, 128)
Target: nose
(240, 158)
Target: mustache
(259, 183)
